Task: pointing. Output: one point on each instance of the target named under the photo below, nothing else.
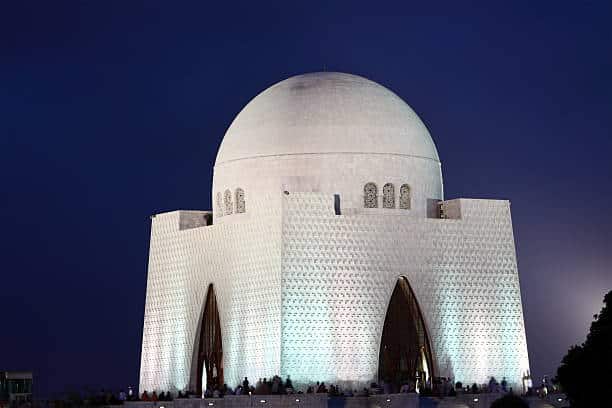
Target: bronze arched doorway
(405, 351)
(210, 350)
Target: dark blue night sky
(113, 111)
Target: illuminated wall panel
(339, 273)
(307, 296)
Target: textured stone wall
(242, 260)
(339, 271)
(303, 291)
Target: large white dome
(326, 112)
(329, 133)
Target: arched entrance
(210, 349)
(405, 352)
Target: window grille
(388, 196)
(370, 196)
(240, 206)
(219, 205)
(405, 197)
(227, 198)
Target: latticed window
(370, 196)
(388, 196)
(404, 203)
(219, 205)
(227, 201)
(240, 207)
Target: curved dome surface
(326, 112)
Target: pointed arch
(405, 348)
(388, 196)
(370, 195)
(404, 203)
(209, 357)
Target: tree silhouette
(585, 369)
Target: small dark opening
(337, 204)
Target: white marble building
(327, 189)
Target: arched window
(388, 196)
(405, 197)
(219, 205)
(227, 201)
(240, 207)
(370, 196)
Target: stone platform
(286, 401)
(323, 401)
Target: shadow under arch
(209, 355)
(405, 355)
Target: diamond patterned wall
(245, 271)
(302, 291)
(339, 273)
